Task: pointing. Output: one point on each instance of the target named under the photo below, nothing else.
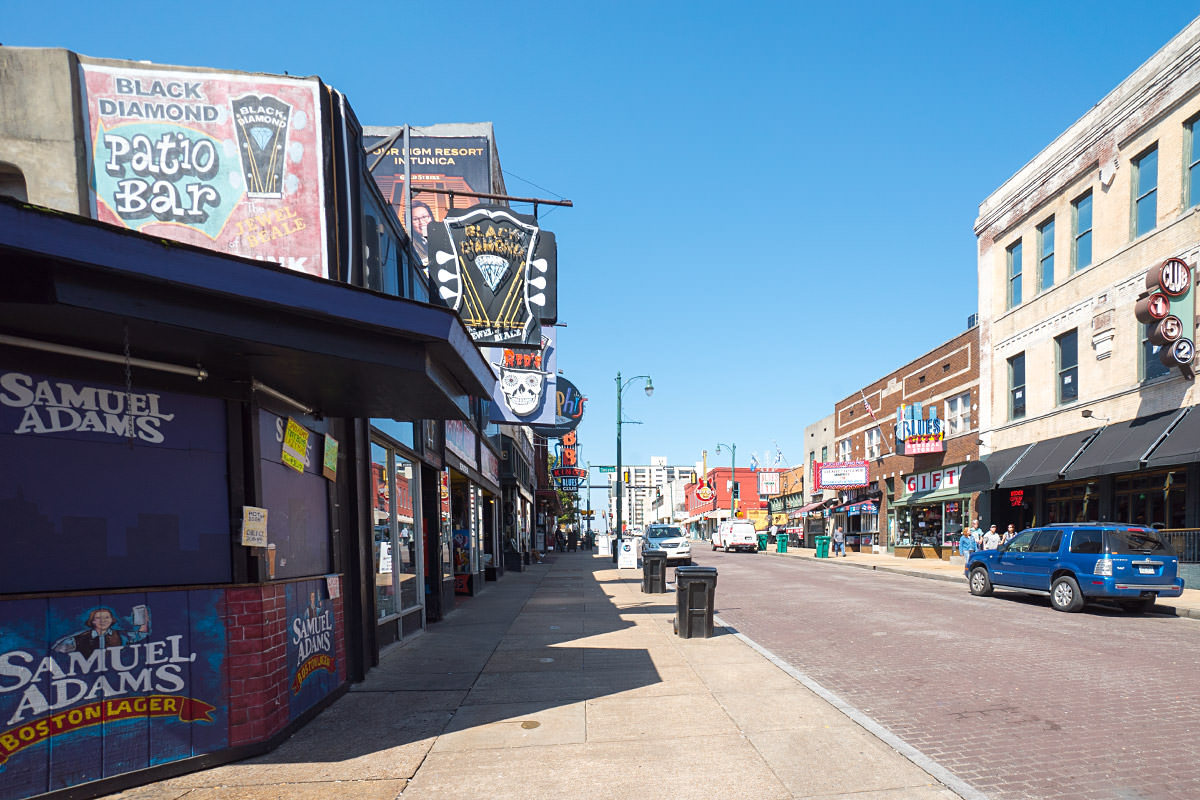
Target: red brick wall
(258, 671)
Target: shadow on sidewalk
(529, 648)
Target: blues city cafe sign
(499, 270)
(917, 435)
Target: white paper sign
(254, 526)
(627, 554)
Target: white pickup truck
(735, 534)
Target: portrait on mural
(228, 162)
(105, 690)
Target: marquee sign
(841, 475)
(499, 270)
(916, 435)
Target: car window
(1046, 542)
(1022, 542)
(1135, 541)
(1087, 542)
(664, 533)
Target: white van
(736, 534)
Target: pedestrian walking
(839, 542)
(966, 543)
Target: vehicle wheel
(1065, 594)
(980, 584)
(727, 550)
(1140, 606)
(714, 544)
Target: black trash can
(695, 590)
(654, 571)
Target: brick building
(911, 500)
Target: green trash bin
(781, 542)
(762, 542)
(823, 546)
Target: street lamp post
(621, 475)
(733, 491)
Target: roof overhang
(343, 350)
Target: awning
(1046, 460)
(343, 350)
(935, 496)
(811, 507)
(1122, 446)
(1182, 446)
(868, 507)
(982, 475)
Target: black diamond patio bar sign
(499, 271)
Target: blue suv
(1080, 562)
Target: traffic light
(626, 476)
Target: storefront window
(1153, 499)
(396, 553)
(298, 501)
(1072, 502)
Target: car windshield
(664, 533)
(1135, 541)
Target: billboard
(101, 685)
(499, 270)
(460, 163)
(228, 162)
(527, 387)
(919, 435)
(768, 483)
(841, 475)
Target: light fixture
(1087, 413)
(649, 388)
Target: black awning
(982, 475)
(343, 350)
(1182, 446)
(1046, 460)
(1121, 446)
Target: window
(825, 453)
(1046, 255)
(1014, 274)
(1067, 349)
(1152, 367)
(1191, 164)
(1145, 192)
(843, 450)
(1081, 245)
(1016, 386)
(958, 414)
(873, 441)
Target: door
(1042, 559)
(1010, 561)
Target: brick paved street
(1016, 699)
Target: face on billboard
(452, 163)
(228, 162)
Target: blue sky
(773, 201)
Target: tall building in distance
(653, 492)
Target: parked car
(737, 534)
(672, 540)
(1076, 563)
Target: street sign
(606, 469)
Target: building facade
(646, 486)
(814, 514)
(915, 430)
(1082, 419)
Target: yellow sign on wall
(295, 445)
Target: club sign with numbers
(1168, 308)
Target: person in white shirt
(991, 539)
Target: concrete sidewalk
(567, 681)
(1187, 605)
